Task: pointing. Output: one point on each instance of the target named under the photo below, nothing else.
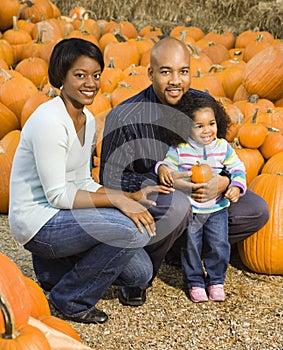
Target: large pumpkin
(262, 251)
(25, 337)
(262, 75)
(13, 288)
(8, 145)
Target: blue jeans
(82, 252)
(206, 239)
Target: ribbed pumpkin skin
(262, 252)
(262, 75)
(274, 164)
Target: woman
(82, 237)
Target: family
(85, 236)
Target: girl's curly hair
(188, 105)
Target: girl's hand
(165, 176)
(233, 194)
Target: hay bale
(228, 15)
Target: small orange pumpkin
(201, 173)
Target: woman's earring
(61, 87)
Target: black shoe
(93, 316)
(132, 296)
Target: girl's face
(204, 129)
(82, 82)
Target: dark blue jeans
(82, 252)
(206, 240)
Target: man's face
(169, 73)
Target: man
(134, 140)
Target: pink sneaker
(216, 292)
(198, 294)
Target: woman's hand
(141, 195)
(138, 213)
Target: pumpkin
(9, 8)
(265, 79)
(272, 144)
(100, 103)
(25, 337)
(13, 288)
(36, 10)
(6, 52)
(35, 69)
(15, 90)
(15, 35)
(100, 122)
(39, 303)
(122, 93)
(252, 159)
(34, 101)
(201, 173)
(262, 251)
(274, 164)
(224, 38)
(124, 54)
(253, 134)
(208, 82)
(254, 47)
(110, 77)
(216, 52)
(8, 145)
(60, 325)
(8, 120)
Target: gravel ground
(251, 318)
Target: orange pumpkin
(253, 134)
(13, 288)
(274, 164)
(22, 337)
(60, 325)
(15, 90)
(8, 145)
(252, 159)
(9, 8)
(265, 79)
(39, 303)
(262, 251)
(272, 144)
(123, 53)
(8, 120)
(201, 173)
(35, 69)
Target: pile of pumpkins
(25, 318)
(244, 72)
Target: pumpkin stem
(255, 116)
(5, 74)
(236, 143)
(253, 98)
(9, 321)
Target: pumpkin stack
(25, 318)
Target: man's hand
(213, 188)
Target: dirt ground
(251, 318)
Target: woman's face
(204, 129)
(82, 82)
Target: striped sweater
(218, 154)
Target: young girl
(207, 235)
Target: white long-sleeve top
(49, 167)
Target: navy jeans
(82, 252)
(206, 239)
